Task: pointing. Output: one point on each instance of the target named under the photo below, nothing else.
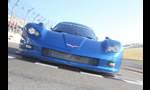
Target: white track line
(13, 41)
(46, 65)
(133, 69)
(133, 81)
(85, 73)
(11, 56)
(125, 80)
(92, 74)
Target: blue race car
(71, 44)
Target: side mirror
(108, 38)
(41, 23)
(51, 28)
(97, 38)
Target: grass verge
(133, 53)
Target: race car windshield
(75, 30)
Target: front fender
(106, 43)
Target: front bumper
(37, 52)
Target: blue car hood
(76, 44)
(68, 41)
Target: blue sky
(121, 20)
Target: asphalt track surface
(32, 74)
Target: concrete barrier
(14, 37)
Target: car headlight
(112, 64)
(33, 31)
(113, 49)
(37, 34)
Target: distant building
(133, 45)
(15, 24)
(15, 21)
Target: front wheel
(112, 75)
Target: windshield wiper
(89, 37)
(57, 31)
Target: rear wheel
(112, 75)
(109, 75)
